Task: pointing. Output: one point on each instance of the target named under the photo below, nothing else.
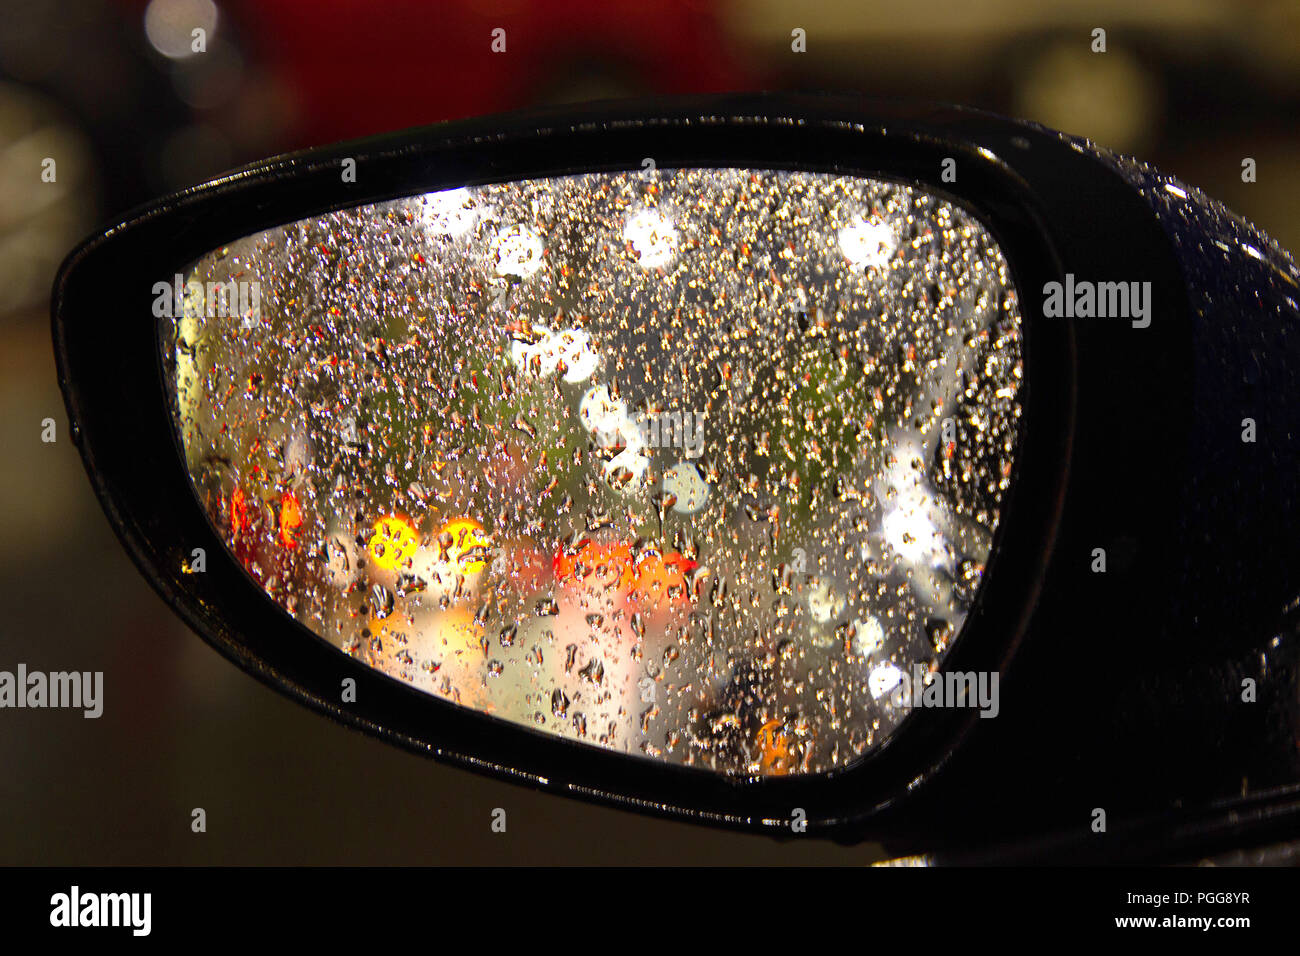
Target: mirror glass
(698, 465)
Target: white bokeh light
(518, 252)
(683, 482)
(629, 461)
(910, 533)
(606, 418)
(868, 636)
(653, 237)
(867, 244)
(170, 25)
(571, 349)
(450, 213)
(577, 353)
(883, 679)
(824, 601)
(908, 524)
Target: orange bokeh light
(613, 566)
(290, 519)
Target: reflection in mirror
(698, 465)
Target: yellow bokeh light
(392, 544)
(469, 544)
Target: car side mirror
(723, 458)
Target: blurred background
(113, 90)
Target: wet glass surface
(694, 465)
